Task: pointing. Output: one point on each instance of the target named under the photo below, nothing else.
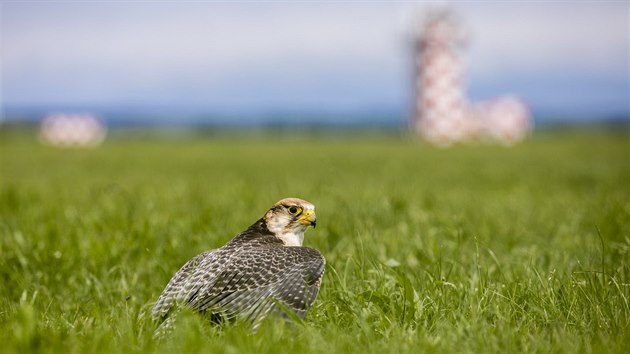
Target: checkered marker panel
(72, 130)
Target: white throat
(279, 226)
(290, 237)
(293, 238)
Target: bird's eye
(293, 210)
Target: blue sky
(566, 59)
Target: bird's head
(289, 218)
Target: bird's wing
(264, 279)
(187, 281)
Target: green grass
(469, 249)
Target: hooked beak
(308, 218)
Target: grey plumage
(255, 274)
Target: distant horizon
(173, 117)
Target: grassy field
(469, 249)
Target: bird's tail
(166, 326)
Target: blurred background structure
(440, 109)
(308, 64)
(442, 112)
(80, 130)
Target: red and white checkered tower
(442, 113)
(441, 110)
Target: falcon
(261, 271)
